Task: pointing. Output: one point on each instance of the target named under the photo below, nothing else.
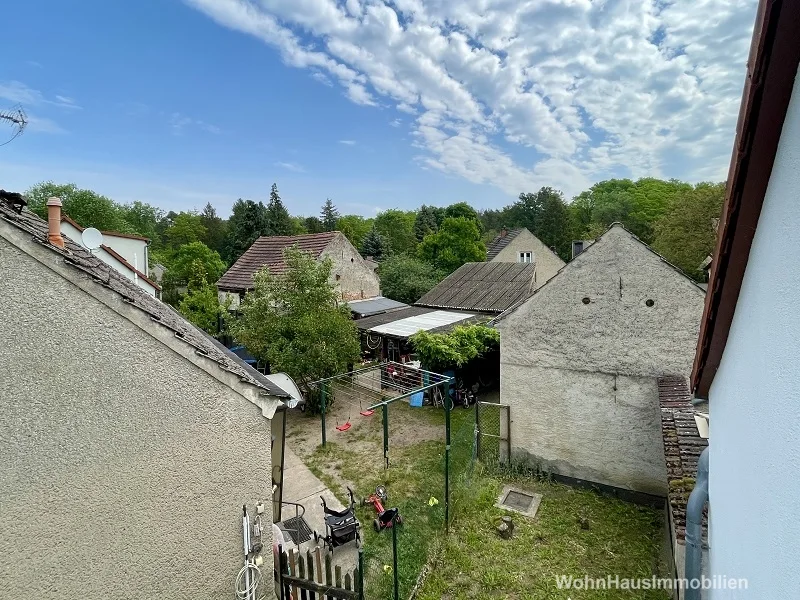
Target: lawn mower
(341, 526)
(386, 516)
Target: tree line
(415, 248)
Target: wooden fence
(309, 576)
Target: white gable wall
(754, 487)
(581, 378)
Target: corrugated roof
(435, 319)
(102, 274)
(367, 323)
(484, 287)
(267, 251)
(682, 446)
(500, 242)
(374, 306)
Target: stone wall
(579, 362)
(352, 275)
(125, 466)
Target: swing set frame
(380, 385)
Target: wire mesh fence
(492, 434)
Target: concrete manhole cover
(521, 501)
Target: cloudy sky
(374, 103)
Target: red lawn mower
(387, 517)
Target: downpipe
(694, 528)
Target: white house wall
(754, 484)
(134, 251)
(559, 359)
(125, 466)
(547, 262)
(112, 241)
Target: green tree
(461, 209)
(185, 229)
(455, 348)
(201, 304)
(545, 215)
(397, 229)
(184, 263)
(293, 321)
(425, 222)
(406, 279)
(278, 220)
(458, 241)
(313, 225)
(247, 223)
(143, 219)
(216, 228)
(373, 245)
(87, 208)
(355, 228)
(329, 215)
(686, 234)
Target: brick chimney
(503, 232)
(54, 222)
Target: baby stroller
(340, 526)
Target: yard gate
(492, 433)
(308, 576)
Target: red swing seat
(367, 413)
(344, 426)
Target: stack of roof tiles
(682, 446)
(268, 252)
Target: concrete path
(300, 485)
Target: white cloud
(532, 93)
(290, 166)
(32, 102)
(179, 122)
(348, 142)
(396, 122)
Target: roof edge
(771, 71)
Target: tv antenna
(92, 239)
(16, 119)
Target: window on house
(526, 257)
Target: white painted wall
(755, 401)
(122, 246)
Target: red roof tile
(268, 252)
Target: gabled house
(126, 253)
(521, 246)
(580, 359)
(130, 439)
(747, 365)
(353, 277)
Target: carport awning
(424, 322)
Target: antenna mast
(16, 119)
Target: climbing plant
(455, 348)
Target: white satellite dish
(92, 238)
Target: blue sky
(376, 105)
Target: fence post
(385, 411)
(447, 403)
(477, 430)
(280, 571)
(322, 407)
(360, 574)
(394, 558)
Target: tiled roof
(500, 242)
(485, 287)
(682, 446)
(88, 265)
(268, 252)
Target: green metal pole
(447, 402)
(322, 405)
(361, 573)
(477, 429)
(394, 559)
(386, 434)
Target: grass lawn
(576, 532)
